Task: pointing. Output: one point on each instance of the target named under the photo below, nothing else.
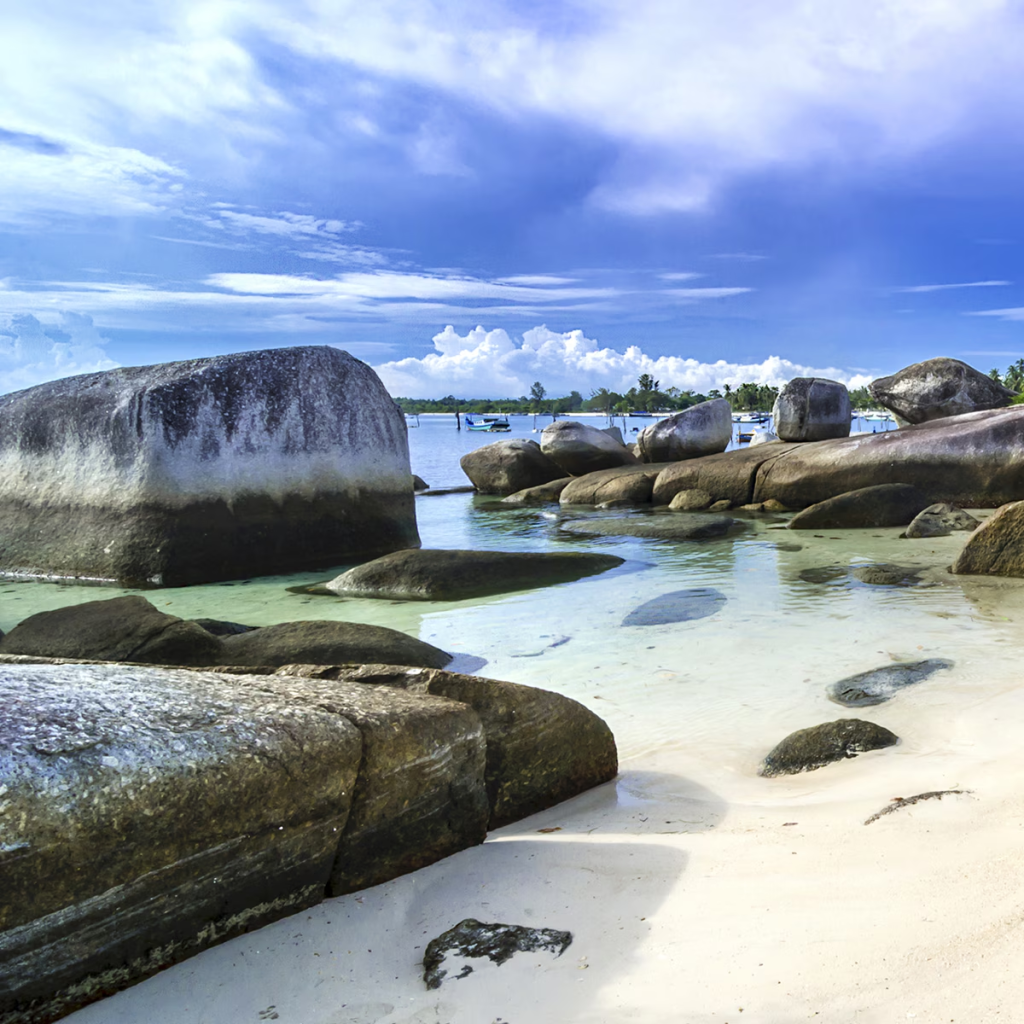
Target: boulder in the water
(879, 506)
(509, 466)
(938, 388)
(657, 527)
(443, 575)
(996, 548)
(940, 520)
(677, 606)
(579, 448)
(702, 429)
(807, 749)
(888, 574)
(209, 469)
(811, 409)
(880, 684)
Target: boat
(491, 424)
(744, 437)
(751, 417)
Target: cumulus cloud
(490, 364)
(31, 353)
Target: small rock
(691, 500)
(808, 749)
(772, 505)
(419, 484)
(497, 942)
(887, 574)
(880, 684)
(940, 520)
(720, 506)
(823, 573)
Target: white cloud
(283, 224)
(31, 353)
(486, 363)
(539, 280)
(1012, 313)
(923, 288)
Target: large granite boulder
(208, 469)
(975, 460)
(117, 629)
(579, 448)
(445, 575)
(325, 643)
(148, 814)
(625, 483)
(937, 388)
(878, 506)
(996, 548)
(509, 466)
(811, 409)
(703, 429)
(808, 749)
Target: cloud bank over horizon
(490, 364)
(31, 353)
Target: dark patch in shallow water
(677, 606)
(878, 685)
(824, 574)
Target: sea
(787, 618)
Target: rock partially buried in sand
(888, 574)
(880, 684)
(509, 466)
(677, 606)
(940, 520)
(996, 548)
(326, 643)
(811, 409)
(658, 527)
(808, 749)
(209, 469)
(497, 942)
(937, 388)
(431, 575)
(117, 629)
(879, 506)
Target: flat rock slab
(677, 606)
(671, 527)
(433, 575)
(880, 684)
(879, 506)
(497, 942)
(149, 813)
(808, 749)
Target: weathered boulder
(326, 643)
(703, 429)
(763, 437)
(880, 684)
(509, 466)
(542, 748)
(615, 433)
(419, 484)
(996, 548)
(811, 409)
(878, 506)
(807, 749)
(691, 501)
(208, 469)
(421, 792)
(677, 606)
(626, 483)
(148, 814)
(887, 574)
(730, 476)
(538, 495)
(443, 575)
(938, 388)
(940, 520)
(657, 527)
(580, 449)
(117, 629)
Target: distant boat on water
(490, 424)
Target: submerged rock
(208, 469)
(940, 520)
(808, 749)
(887, 574)
(677, 606)
(658, 527)
(937, 388)
(497, 942)
(579, 448)
(811, 409)
(702, 429)
(433, 575)
(879, 506)
(506, 467)
(880, 684)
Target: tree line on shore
(647, 396)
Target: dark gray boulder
(940, 520)
(419, 484)
(657, 527)
(326, 643)
(996, 548)
(149, 814)
(880, 684)
(807, 749)
(203, 470)
(811, 409)
(117, 629)
(878, 506)
(509, 466)
(219, 627)
(937, 388)
(444, 575)
(703, 429)
(677, 606)
(579, 448)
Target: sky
(472, 196)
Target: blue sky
(473, 196)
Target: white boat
(491, 424)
